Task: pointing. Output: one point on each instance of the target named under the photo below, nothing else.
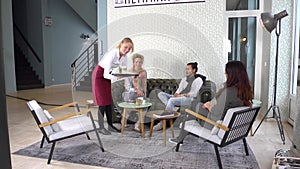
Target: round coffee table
(126, 105)
(164, 121)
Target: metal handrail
(84, 64)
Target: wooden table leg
(142, 122)
(164, 131)
(171, 125)
(151, 128)
(123, 121)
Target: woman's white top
(111, 61)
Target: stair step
(25, 75)
(28, 82)
(85, 83)
(84, 88)
(26, 72)
(88, 78)
(31, 86)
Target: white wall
(169, 36)
(62, 42)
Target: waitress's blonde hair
(126, 40)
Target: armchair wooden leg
(123, 122)
(51, 152)
(151, 128)
(42, 142)
(164, 131)
(246, 147)
(141, 118)
(218, 156)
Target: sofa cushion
(193, 126)
(207, 91)
(215, 129)
(36, 109)
(156, 102)
(73, 125)
(166, 85)
(55, 126)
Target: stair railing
(84, 64)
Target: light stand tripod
(274, 107)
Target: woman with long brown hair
(236, 92)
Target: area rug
(133, 152)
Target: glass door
(295, 69)
(242, 36)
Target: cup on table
(122, 69)
(138, 101)
(143, 101)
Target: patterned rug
(131, 151)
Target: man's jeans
(171, 101)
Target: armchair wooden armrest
(207, 120)
(85, 111)
(62, 107)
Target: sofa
(154, 86)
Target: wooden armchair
(235, 126)
(68, 126)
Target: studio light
(269, 22)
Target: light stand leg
(262, 120)
(276, 115)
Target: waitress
(101, 82)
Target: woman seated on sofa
(236, 92)
(136, 86)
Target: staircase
(83, 66)
(25, 75)
(86, 83)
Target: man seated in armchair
(187, 91)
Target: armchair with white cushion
(70, 125)
(235, 126)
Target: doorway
(242, 36)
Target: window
(242, 5)
(243, 38)
(295, 79)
